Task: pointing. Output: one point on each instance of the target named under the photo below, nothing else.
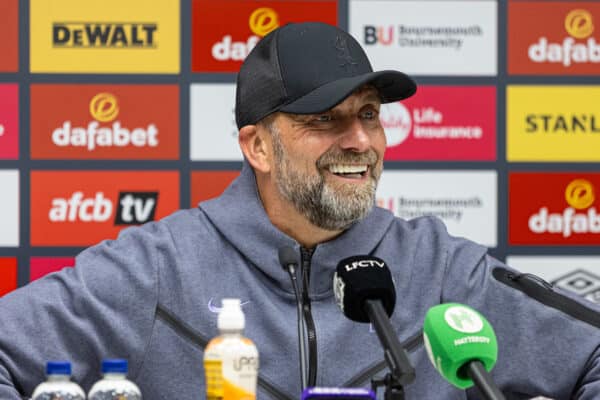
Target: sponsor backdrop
(117, 113)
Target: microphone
(462, 346)
(365, 292)
(287, 259)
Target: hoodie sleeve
(548, 339)
(104, 307)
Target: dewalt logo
(579, 24)
(104, 34)
(108, 36)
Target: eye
(323, 118)
(369, 114)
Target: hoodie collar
(238, 214)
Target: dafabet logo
(104, 121)
(442, 123)
(81, 208)
(9, 121)
(9, 36)
(554, 208)
(104, 37)
(553, 123)
(225, 32)
(565, 41)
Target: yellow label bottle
(231, 360)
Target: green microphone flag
(454, 335)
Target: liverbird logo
(346, 60)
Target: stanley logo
(263, 20)
(579, 24)
(134, 35)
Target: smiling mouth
(349, 171)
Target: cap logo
(343, 53)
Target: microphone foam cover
(361, 278)
(455, 334)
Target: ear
(255, 143)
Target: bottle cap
(231, 317)
(58, 368)
(114, 365)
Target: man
(307, 108)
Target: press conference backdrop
(117, 113)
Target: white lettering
(76, 208)
(567, 52)
(142, 209)
(567, 223)
(227, 50)
(94, 136)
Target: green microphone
(462, 346)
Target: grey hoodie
(149, 296)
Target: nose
(356, 138)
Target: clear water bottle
(58, 384)
(114, 385)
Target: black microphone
(287, 259)
(365, 292)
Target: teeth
(347, 169)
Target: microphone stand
(401, 372)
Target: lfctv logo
(133, 208)
(262, 21)
(104, 34)
(579, 217)
(104, 108)
(579, 47)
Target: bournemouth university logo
(577, 48)
(104, 108)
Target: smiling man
(307, 106)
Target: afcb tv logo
(132, 208)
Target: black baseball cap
(308, 68)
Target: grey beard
(323, 205)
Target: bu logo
(346, 60)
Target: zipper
(196, 339)
(311, 332)
(409, 345)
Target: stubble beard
(326, 205)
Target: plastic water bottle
(231, 360)
(58, 384)
(114, 385)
